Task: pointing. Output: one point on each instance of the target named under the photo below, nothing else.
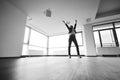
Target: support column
(89, 40)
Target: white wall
(89, 42)
(12, 25)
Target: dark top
(70, 29)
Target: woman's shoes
(79, 56)
(69, 56)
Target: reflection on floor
(60, 68)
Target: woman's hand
(63, 21)
(75, 21)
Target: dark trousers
(73, 38)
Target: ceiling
(82, 10)
(108, 8)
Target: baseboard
(111, 55)
(91, 55)
(10, 57)
(102, 55)
(24, 56)
(48, 55)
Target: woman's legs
(69, 47)
(76, 45)
(73, 38)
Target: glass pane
(25, 49)
(58, 45)
(118, 34)
(38, 39)
(117, 24)
(79, 38)
(107, 38)
(103, 27)
(97, 39)
(33, 50)
(26, 36)
(62, 40)
(58, 41)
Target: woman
(72, 37)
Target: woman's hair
(71, 26)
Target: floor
(60, 68)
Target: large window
(118, 34)
(107, 38)
(35, 43)
(62, 40)
(26, 36)
(107, 35)
(37, 39)
(97, 38)
(26, 40)
(58, 41)
(58, 45)
(117, 26)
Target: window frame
(47, 49)
(71, 45)
(28, 43)
(113, 30)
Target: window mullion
(100, 38)
(115, 36)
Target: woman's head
(71, 26)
